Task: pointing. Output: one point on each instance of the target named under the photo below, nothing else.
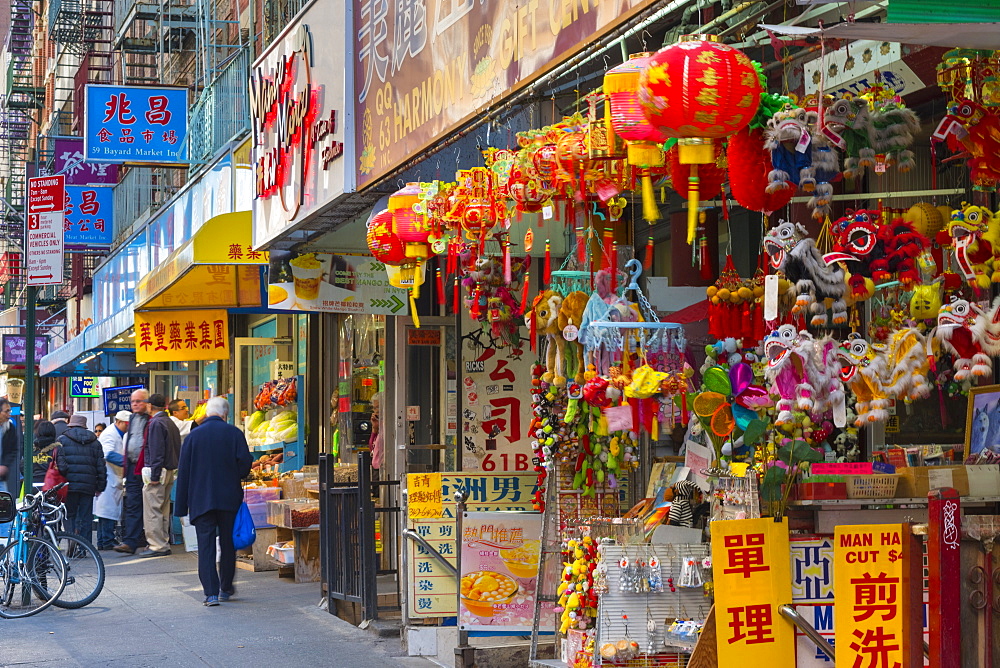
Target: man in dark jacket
(214, 459)
(59, 419)
(10, 444)
(159, 465)
(80, 459)
(134, 440)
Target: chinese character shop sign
(142, 124)
(89, 218)
(875, 625)
(752, 579)
(44, 230)
(181, 336)
(296, 100)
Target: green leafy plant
(783, 471)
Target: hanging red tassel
(440, 282)
(581, 246)
(647, 261)
(525, 289)
(456, 297)
(548, 263)
(474, 308)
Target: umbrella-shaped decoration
(728, 402)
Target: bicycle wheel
(84, 571)
(32, 576)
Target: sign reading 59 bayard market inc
(142, 124)
(296, 111)
(422, 67)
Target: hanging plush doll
(955, 335)
(986, 329)
(974, 232)
(874, 128)
(792, 252)
(681, 507)
(862, 370)
(787, 372)
(801, 155)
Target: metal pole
(28, 401)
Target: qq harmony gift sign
(43, 234)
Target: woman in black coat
(43, 447)
(81, 459)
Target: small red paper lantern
(384, 244)
(699, 90)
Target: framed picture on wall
(982, 424)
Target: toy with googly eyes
(792, 252)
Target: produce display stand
(293, 452)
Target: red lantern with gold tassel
(644, 140)
(699, 90)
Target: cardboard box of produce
(916, 481)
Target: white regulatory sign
(43, 235)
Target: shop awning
(217, 268)
(965, 35)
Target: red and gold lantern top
(700, 87)
(409, 225)
(621, 85)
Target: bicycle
(32, 570)
(85, 571)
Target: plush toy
(974, 130)
(872, 128)
(791, 251)
(571, 314)
(906, 366)
(681, 508)
(874, 250)
(787, 373)
(862, 373)
(954, 335)
(986, 329)
(926, 301)
(801, 155)
(545, 315)
(974, 233)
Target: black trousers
(209, 526)
(132, 530)
(80, 514)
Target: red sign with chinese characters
(878, 619)
(752, 579)
(181, 336)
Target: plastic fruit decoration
(699, 90)
(625, 115)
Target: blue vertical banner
(90, 216)
(140, 124)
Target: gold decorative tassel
(694, 197)
(649, 209)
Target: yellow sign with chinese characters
(433, 591)
(872, 604)
(424, 495)
(752, 579)
(181, 336)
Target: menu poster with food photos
(500, 555)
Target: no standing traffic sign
(43, 234)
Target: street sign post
(43, 234)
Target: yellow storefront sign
(872, 603)
(181, 336)
(752, 580)
(424, 495)
(433, 591)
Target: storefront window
(359, 397)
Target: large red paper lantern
(699, 90)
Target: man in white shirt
(180, 413)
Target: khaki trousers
(156, 512)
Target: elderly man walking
(134, 441)
(159, 466)
(214, 459)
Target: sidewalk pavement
(151, 614)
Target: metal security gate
(349, 562)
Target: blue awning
(89, 355)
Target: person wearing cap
(80, 459)
(59, 419)
(159, 455)
(134, 439)
(108, 506)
